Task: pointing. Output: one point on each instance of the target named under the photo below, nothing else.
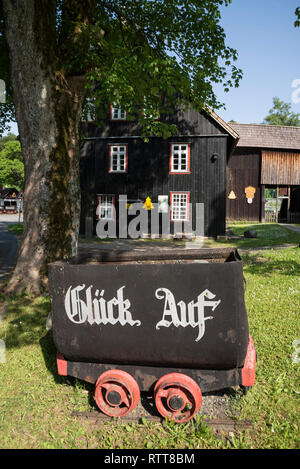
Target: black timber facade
(210, 141)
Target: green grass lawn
(268, 234)
(16, 228)
(37, 406)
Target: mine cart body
(152, 314)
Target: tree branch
(73, 42)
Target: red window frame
(110, 170)
(99, 203)
(188, 170)
(187, 209)
(111, 114)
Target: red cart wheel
(177, 396)
(116, 393)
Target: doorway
(282, 204)
(277, 204)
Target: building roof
(8, 193)
(227, 127)
(267, 136)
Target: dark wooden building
(263, 174)
(187, 168)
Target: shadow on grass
(24, 324)
(49, 354)
(268, 234)
(257, 265)
(24, 320)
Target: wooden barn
(263, 174)
(187, 168)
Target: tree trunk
(48, 109)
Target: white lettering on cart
(187, 315)
(97, 310)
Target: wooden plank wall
(148, 164)
(243, 170)
(280, 167)
(189, 122)
(148, 175)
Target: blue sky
(268, 45)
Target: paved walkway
(146, 245)
(139, 245)
(8, 246)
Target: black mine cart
(170, 321)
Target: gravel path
(217, 411)
(8, 249)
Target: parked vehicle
(9, 200)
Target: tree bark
(48, 108)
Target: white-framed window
(180, 206)
(117, 114)
(118, 158)
(180, 158)
(163, 204)
(106, 207)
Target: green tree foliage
(11, 165)
(297, 13)
(142, 48)
(7, 113)
(162, 53)
(5, 139)
(156, 49)
(11, 173)
(281, 114)
(11, 150)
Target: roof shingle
(267, 136)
